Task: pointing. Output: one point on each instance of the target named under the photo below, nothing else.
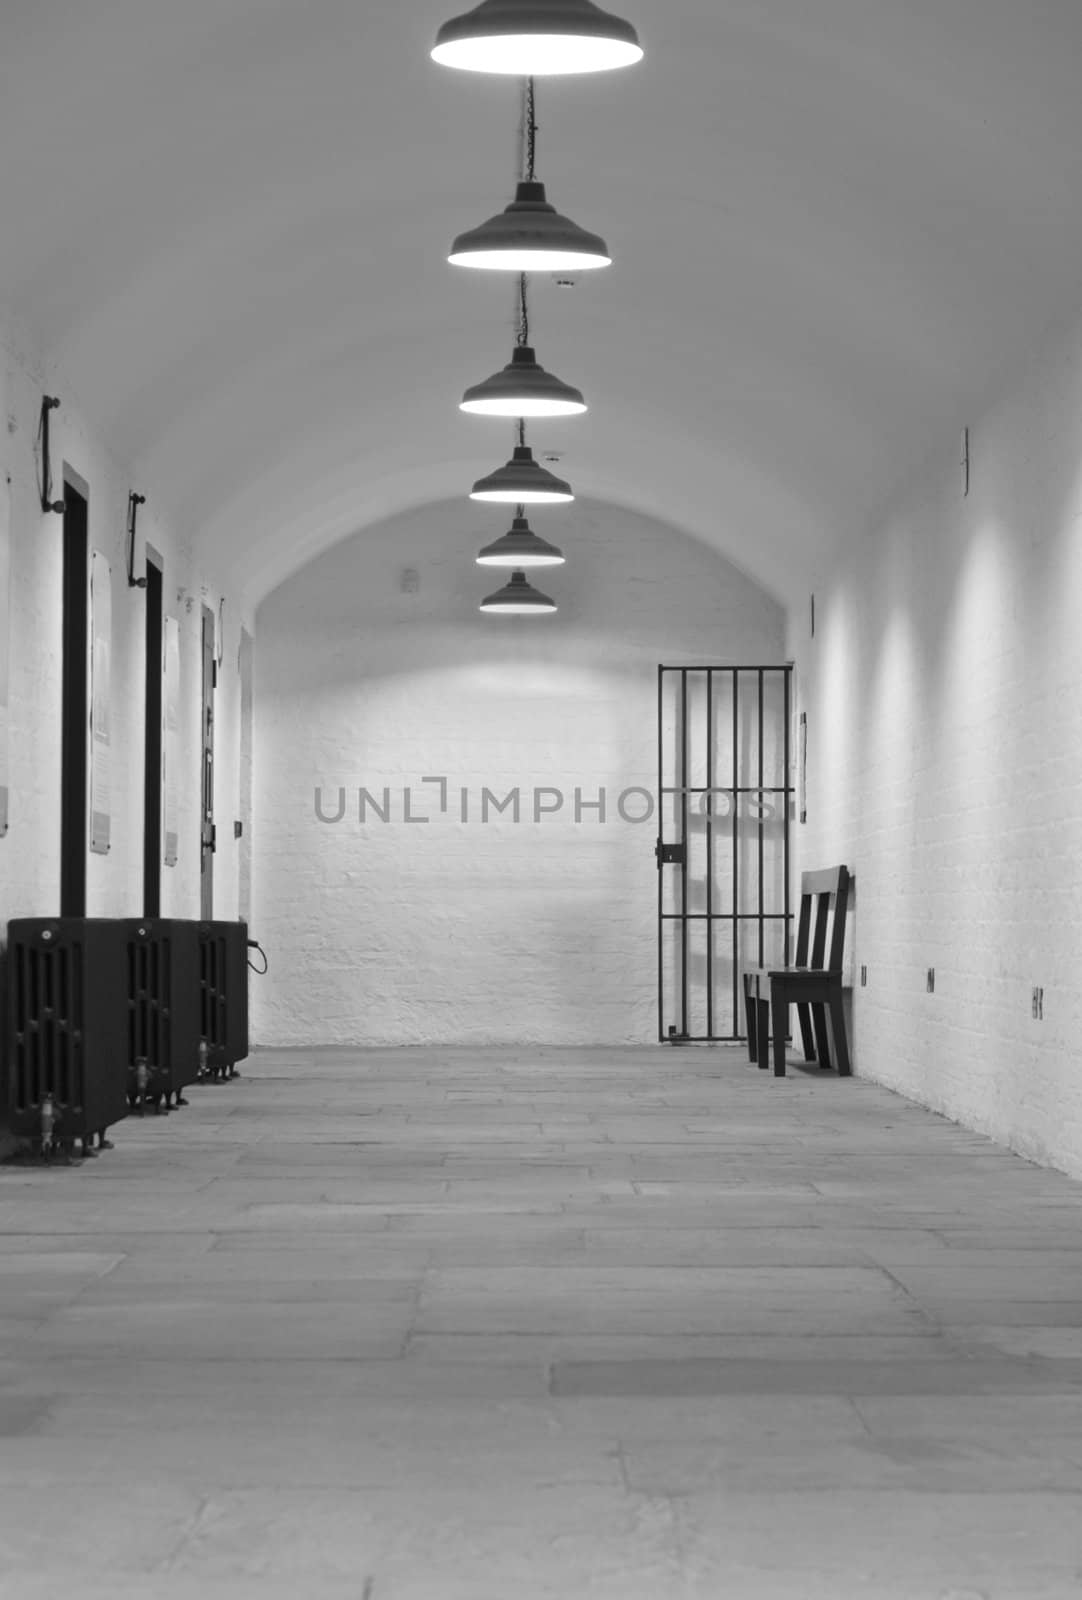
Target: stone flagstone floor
(461, 1325)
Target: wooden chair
(813, 984)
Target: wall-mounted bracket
(965, 463)
(49, 404)
(134, 502)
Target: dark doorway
(152, 776)
(207, 837)
(725, 803)
(75, 710)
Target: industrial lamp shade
(520, 548)
(530, 236)
(537, 38)
(523, 389)
(518, 598)
(522, 482)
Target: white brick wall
(944, 694)
(400, 934)
(30, 854)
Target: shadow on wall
(501, 886)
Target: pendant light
(530, 235)
(536, 38)
(522, 481)
(521, 547)
(518, 598)
(523, 388)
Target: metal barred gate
(725, 801)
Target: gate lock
(669, 855)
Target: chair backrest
(820, 937)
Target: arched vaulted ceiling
(835, 223)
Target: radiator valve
(142, 1077)
(48, 1124)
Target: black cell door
(75, 707)
(207, 839)
(152, 741)
(725, 805)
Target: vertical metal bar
(709, 853)
(660, 837)
(762, 927)
(788, 782)
(684, 852)
(736, 845)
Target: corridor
(494, 1325)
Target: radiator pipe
(142, 1077)
(48, 1124)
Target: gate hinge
(669, 855)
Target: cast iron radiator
(161, 965)
(223, 994)
(65, 1055)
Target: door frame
(673, 852)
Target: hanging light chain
(523, 312)
(527, 168)
(528, 158)
(529, 130)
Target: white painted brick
(29, 855)
(945, 721)
(442, 932)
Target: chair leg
(841, 1043)
(822, 1038)
(762, 1032)
(803, 1012)
(780, 1007)
(750, 1009)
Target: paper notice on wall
(5, 645)
(170, 754)
(101, 633)
(802, 768)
